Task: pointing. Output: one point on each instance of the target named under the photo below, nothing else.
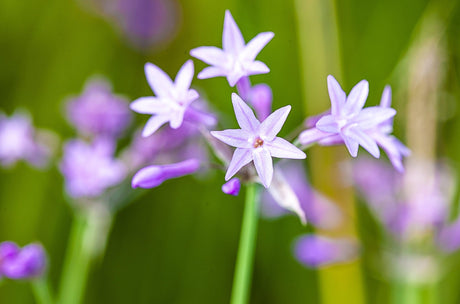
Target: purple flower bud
(25, 263)
(232, 187)
(90, 169)
(261, 99)
(153, 176)
(317, 251)
(99, 112)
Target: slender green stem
(246, 250)
(87, 240)
(42, 291)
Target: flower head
(172, 98)
(257, 141)
(235, 59)
(22, 263)
(348, 120)
(89, 169)
(99, 112)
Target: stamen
(258, 142)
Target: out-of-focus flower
(257, 141)
(232, 187)
(348, 119)
(291, 191)
(405, 214)
(22, 263)
(20, 141)
(147, 23)
(97, 112)
(172, 98)
(89, 169)
(153, 176)
(235, 59)
(316, 251)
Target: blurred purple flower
(97, 112)
(257, 141)
(405, 212)
(89, 169)
(316, 251)
(172, 98)
(153, 176)
(232, 187)
(349, 120)
(147, 23)
(20, 141)
(22, 263)
(236, 59)
(291, 191)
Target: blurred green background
(178, 243)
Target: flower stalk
(246, 250)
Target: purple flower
(20, 141)
(97, 112)
(147, 22)
(317, 251)
(26, 263)
(232, 187)
(153, 176)
(348, 119)
(257, 141)
(236, 59)
(172, 98)
(89, 169)
(291, 191)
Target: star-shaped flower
(349, 120)
(172, 98)
(236, 59)
(257, 141)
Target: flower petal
(240, 158)
(234, 137)
(184, 77)
(158, 80)
(364, 140)
(357, 98)
(281, 148)
(373, 116)
(311, 136)
(148, 105)
(253, 48)
(327, 124)
(232, 40)
(244, 115)
(351, 144)
(336, 94)
(211, 72)
(153, 124)
(385, 101)
(271, 126)
(255, 68)
(210, 54)
(264, 166)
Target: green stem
(87, 240)
(42, 291)
(246, 250)
(412, 293)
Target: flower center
(258, 142)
